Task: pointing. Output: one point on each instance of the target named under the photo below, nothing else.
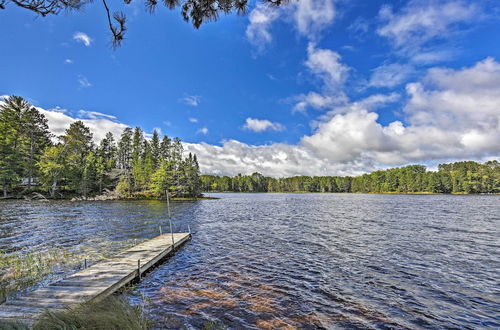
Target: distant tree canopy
(195, 11)
(135, 167)
(461, 177)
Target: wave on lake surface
(291, 260)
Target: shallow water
(293, 260)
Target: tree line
(32, 159)
(459, 177)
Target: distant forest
(33, 160)
(460, 177)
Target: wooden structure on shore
(93, 283)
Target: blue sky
(320, 87)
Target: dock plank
(94, 283)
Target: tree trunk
(53, 188)
(4, 191)
(30, 169)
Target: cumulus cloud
(99, 123)
(325, 65)
(312, 99)
(261, 125)
(450, 115)
(193, 120)
(68, 61)
(191, 100)
(421, 21)
(83, 38)
(313, 16)
(390, 75)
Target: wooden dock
(93, 283)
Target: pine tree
(155, 149)
(125, 150)
(78, 144)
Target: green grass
(13, 325)
(113, 313)
(21, 271)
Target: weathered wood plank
(96, 282)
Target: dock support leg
(139, 268)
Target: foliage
(113, 313)
(196, 11)
(23, 136)
(135, 166)
(461, 177)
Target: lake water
(291, 260)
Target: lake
(306, 261)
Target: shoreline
(349, 193)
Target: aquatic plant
(214, 325)
(113, 313)
(13, 325)
(21, 271)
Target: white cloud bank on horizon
(450, 115)
(99, 123)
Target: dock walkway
(93, 283)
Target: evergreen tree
(155, 149)
(125, 150)
(77, 142)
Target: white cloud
(60, 119)
(261, 125)
(191, 100)
(193, 120)
(261, 18)
(68, 61)
(312, 99)
(203, 131)
(310, 18)
(325, 65)
(313, 16)
(390, 75)
(84, 82)
(83, 38)
(94, 115)
(451, 114)
(421, 21)
(457, 99)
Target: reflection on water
(286, 261)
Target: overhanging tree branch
(195, 11)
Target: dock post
(172, 233)
(160, 229)
(189, 229)
(85, 263)
(139, 268)
(170, 221)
